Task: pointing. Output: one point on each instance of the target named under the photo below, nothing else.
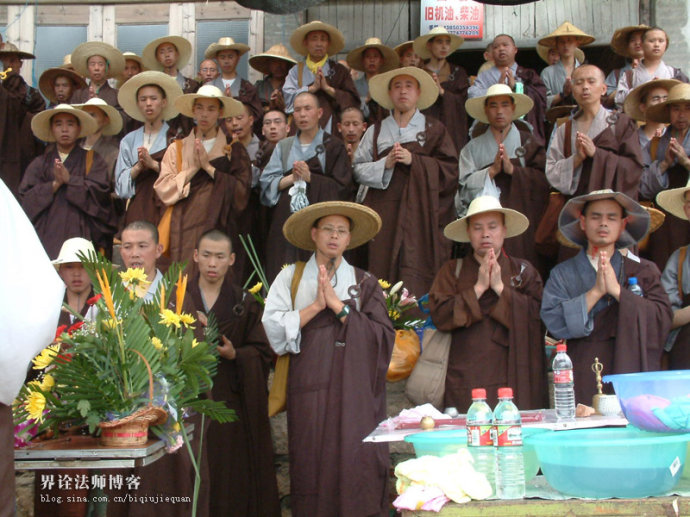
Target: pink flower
(406, 299)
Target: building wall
(674, 17)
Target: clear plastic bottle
(480, 441)
(563, 385)
(634, 287)
(510, 468)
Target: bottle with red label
(480, 441)
(563, 385)
(510, 469)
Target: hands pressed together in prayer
(61, 174)
(606, 282)
(321, 83)
(144, 162)
(567, 88)
(398, 155)
(489, 275)
(675, 153)
(300, 171)
(501, 162)
(434, 76)
(201, 158)
(325, 294)
(507, 77)
(584, 147)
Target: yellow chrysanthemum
(384, 284)
(257, 287)
(187, 320)
(46, 357)
(135, 276)
(48, 383)
(393, 314)
(177, 427)
(157, 343)
(284, 266)
(194, 343)
(35, 404)
(111, 323)
(169, 317)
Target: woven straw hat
(366, 223)
(475, 106)
(402, 48)
(672, 200)
(679, 94)
(515, 222)
(637, 226)
(553, 114)
(261, 62)
(619, 41)
(67, 63)
(225, 43)
(131, 56)
(46, 82)
(378, 86)
(70, 248)
(631, 106)
(336, 44)
(185, 103)
(183, 46)
(419, 43)
(390, 57)
(127, 94)
(543, 52)
(11, 48)
(114, 125)
(567, 29)
(40, 123)
(81, 54)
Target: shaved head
(589, 69)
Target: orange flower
(181, 290)
(107, 294)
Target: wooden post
(183, 23)
(256, 40)
(21, 32)
(94, 31)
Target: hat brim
(366, 223)
(378, 87)
(420, 48)
(214, 48)
(402, 48)
(475, 106)
(543, 53)
(662, 112)
(185, 105)
(335, 45)
(47, 81)
(619, 41)
(114, 125)
(40, 123)
(672, 200)
(81, 54)
(631, 106)
(261, 62)
(390, 57)
(515, 223)
(581, 38)
(553, 114)
(183, 46)
(637, 225)
(127, 94)
(19, 53)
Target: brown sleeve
(450, 306)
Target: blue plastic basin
(616, 462)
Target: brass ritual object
(607, 405)
(5, 73)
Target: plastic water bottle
(510, 468)
(563, 385)
(634, 287)
(480, 441)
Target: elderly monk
(66, 191)
(331, 319)
(319, 73)
(307, 168)
(505, 160)
(409, 163)
(97, 61)
(587, 300)
(489, 302)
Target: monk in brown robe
(248, 488)
(332, 320)
(587, 300)
(204, 181)
(410, 165)
(452, 82)
(319, 73)
(169, 54)
(490, 301)
(66, 192)
(98, 62)
(310, 167)
(505, 158)
(148, 98)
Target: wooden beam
(221, 11)
(144, 14)
(62, 15)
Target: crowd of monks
(522, 202)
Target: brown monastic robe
(80, 208)
(7, 490)
(496, 340)
(414, 209)
(535, 89)
(333, 184)
(449, 108)
(105, 92)
(200, 202)
(240, 453)
(336, 396)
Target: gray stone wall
(674, 17)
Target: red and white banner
(462, 17)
